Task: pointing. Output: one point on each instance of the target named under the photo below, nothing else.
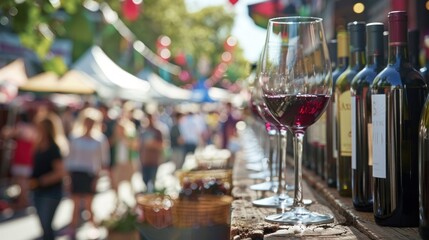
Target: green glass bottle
(331, 110)
(357, 44)
(398, 95)
(361, 118)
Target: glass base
(276, 202)
(256, 167)
(256, 159)
(259, 175)
(254, 156)
(269, 186)
(300, 215)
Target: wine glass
(296, 83)
(273, 128)
(267, 174)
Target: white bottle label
(334, 130)
(353, 105)
(379, 135)
(370, 145)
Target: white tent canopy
(72, 82)
(163, 91)
(111, 80)
(14, 73)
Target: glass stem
(282, 163)
(262, 139)
(266, 141)
(271, 144)
(297, 144)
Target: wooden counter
(247, 222)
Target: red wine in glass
(297, 111)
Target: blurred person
(22, 136)
(89, 154)
(108, 128)
(48, 172)
(68, 118)
(165, 117)
(192, 132)
(212, 120)
(176, 141)
(151, 146)
(125, 150)
(228, 125)
(136, 117)
(200, 118)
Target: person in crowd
(228, 125)
(165, 115)
(212, 120)
(21, 139)
(48, 172)
(151, 151)
(136, 117)
(108, 129)
(200, 118)
(68, 118)
(192, 133)
(89, 154)
(125, 150)
(176, 141)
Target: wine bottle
(331, 110)
(397, 95)
(386, 46)
(321, 150)
(332, 48)
(356, 32)
(424, 172)
(414, 48)
(361, 118)
(425, 70)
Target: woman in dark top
(48, 171)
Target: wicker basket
(224, 175)
(206, 211)
(156, 209)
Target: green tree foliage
(35, 22)
(199, 34)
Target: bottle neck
(357, 59)
(375, 60)
(427, 60)
(398, 54)
(342, 62)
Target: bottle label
(334, 130)
(354, 115)
(379, 135)
(370, 151)
(345, 122)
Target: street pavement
(27, 226)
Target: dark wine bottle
(414, 48)
(332, 48)
(398, 96)
(331, 110)
(361, 118)
(356, 32)
(386, 46)
(321, 150)
(424, 172)
(425, 70)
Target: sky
(250, 37)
